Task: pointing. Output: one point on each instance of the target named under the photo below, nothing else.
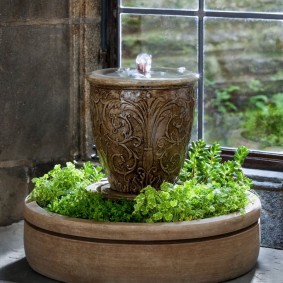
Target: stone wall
(46, 47)
(239, 52)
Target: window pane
(171, 40)
(165, 4)
(245, 5)
(244, 83)
(194, 136)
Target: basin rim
(120, 231)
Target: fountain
(142, 121)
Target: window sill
(265, 179)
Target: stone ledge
(264, 175)
(269, 187)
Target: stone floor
(14, 266)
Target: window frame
(110, 47)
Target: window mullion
(200, 101)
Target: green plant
(209, 188)
(264, 122)
(61, 181)
(81, 203)
(222, 101)
(205, 165)
(63, 190)
(255, 86)
(259, 102)
(188, 201)
(221, 114)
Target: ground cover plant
(233, 117)
(207, 187)
(263, 123)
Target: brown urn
(141, 126)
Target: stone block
(271, 196)
(269, 186)
(35, 87)
(14, 10)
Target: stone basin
(75, 250)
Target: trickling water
(143, 71)
(155, 74)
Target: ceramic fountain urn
(142, 121)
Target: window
(236, 47)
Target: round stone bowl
(141, 126)
(75, 250)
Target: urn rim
(102, 77)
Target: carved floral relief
(141, 134)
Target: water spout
(143, 63)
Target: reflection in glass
(171, 40)
(162, 4)
(245, 5)
(243, 83)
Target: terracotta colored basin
(75, 250)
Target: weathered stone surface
(44, 59)
(34, 83)
(271, 196)
(269, 187)
(31, 9)
(14, 187)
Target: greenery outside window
(236, 47)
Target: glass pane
(194, 136)
(165, 4)
(245, 5)
(171, 40)
(243, 83)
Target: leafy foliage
(223, 99)
(188, 201)
(222, 114)
(251, 111)
(62, 181)
(205, 165)
(210, 188)
(63, 190)
(85, 204)
(264, 122)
